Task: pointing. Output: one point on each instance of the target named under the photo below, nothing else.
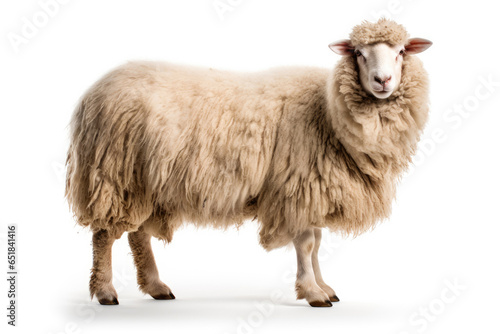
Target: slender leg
(306, 285)
(317, 272)
(147, 273)
(101, 279)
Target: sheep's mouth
(380, 89)
(382, 94)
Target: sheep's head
(379, 49)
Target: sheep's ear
(343, 47)
(417, 45)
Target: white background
(445, 225)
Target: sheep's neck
(380, 135)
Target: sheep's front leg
(147, 272)
(317, 272)
(306, 285)
(101, 279)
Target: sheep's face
(380, 64)
(379, 68)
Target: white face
(380, 64)
(380, 68)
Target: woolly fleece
(157, 145)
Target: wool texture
(382, 31)
(159, 145)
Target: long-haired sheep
(299, 149)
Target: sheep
(154, 146)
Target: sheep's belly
(214, 190)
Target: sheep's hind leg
(101, 284)
(147, 272)
(306, 285)
(317, 272)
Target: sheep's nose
(383, 81)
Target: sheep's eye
(402, 52)
(357, 53)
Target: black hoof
(334, 299)
(106, 301)
(164, 296)
(318, 303)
